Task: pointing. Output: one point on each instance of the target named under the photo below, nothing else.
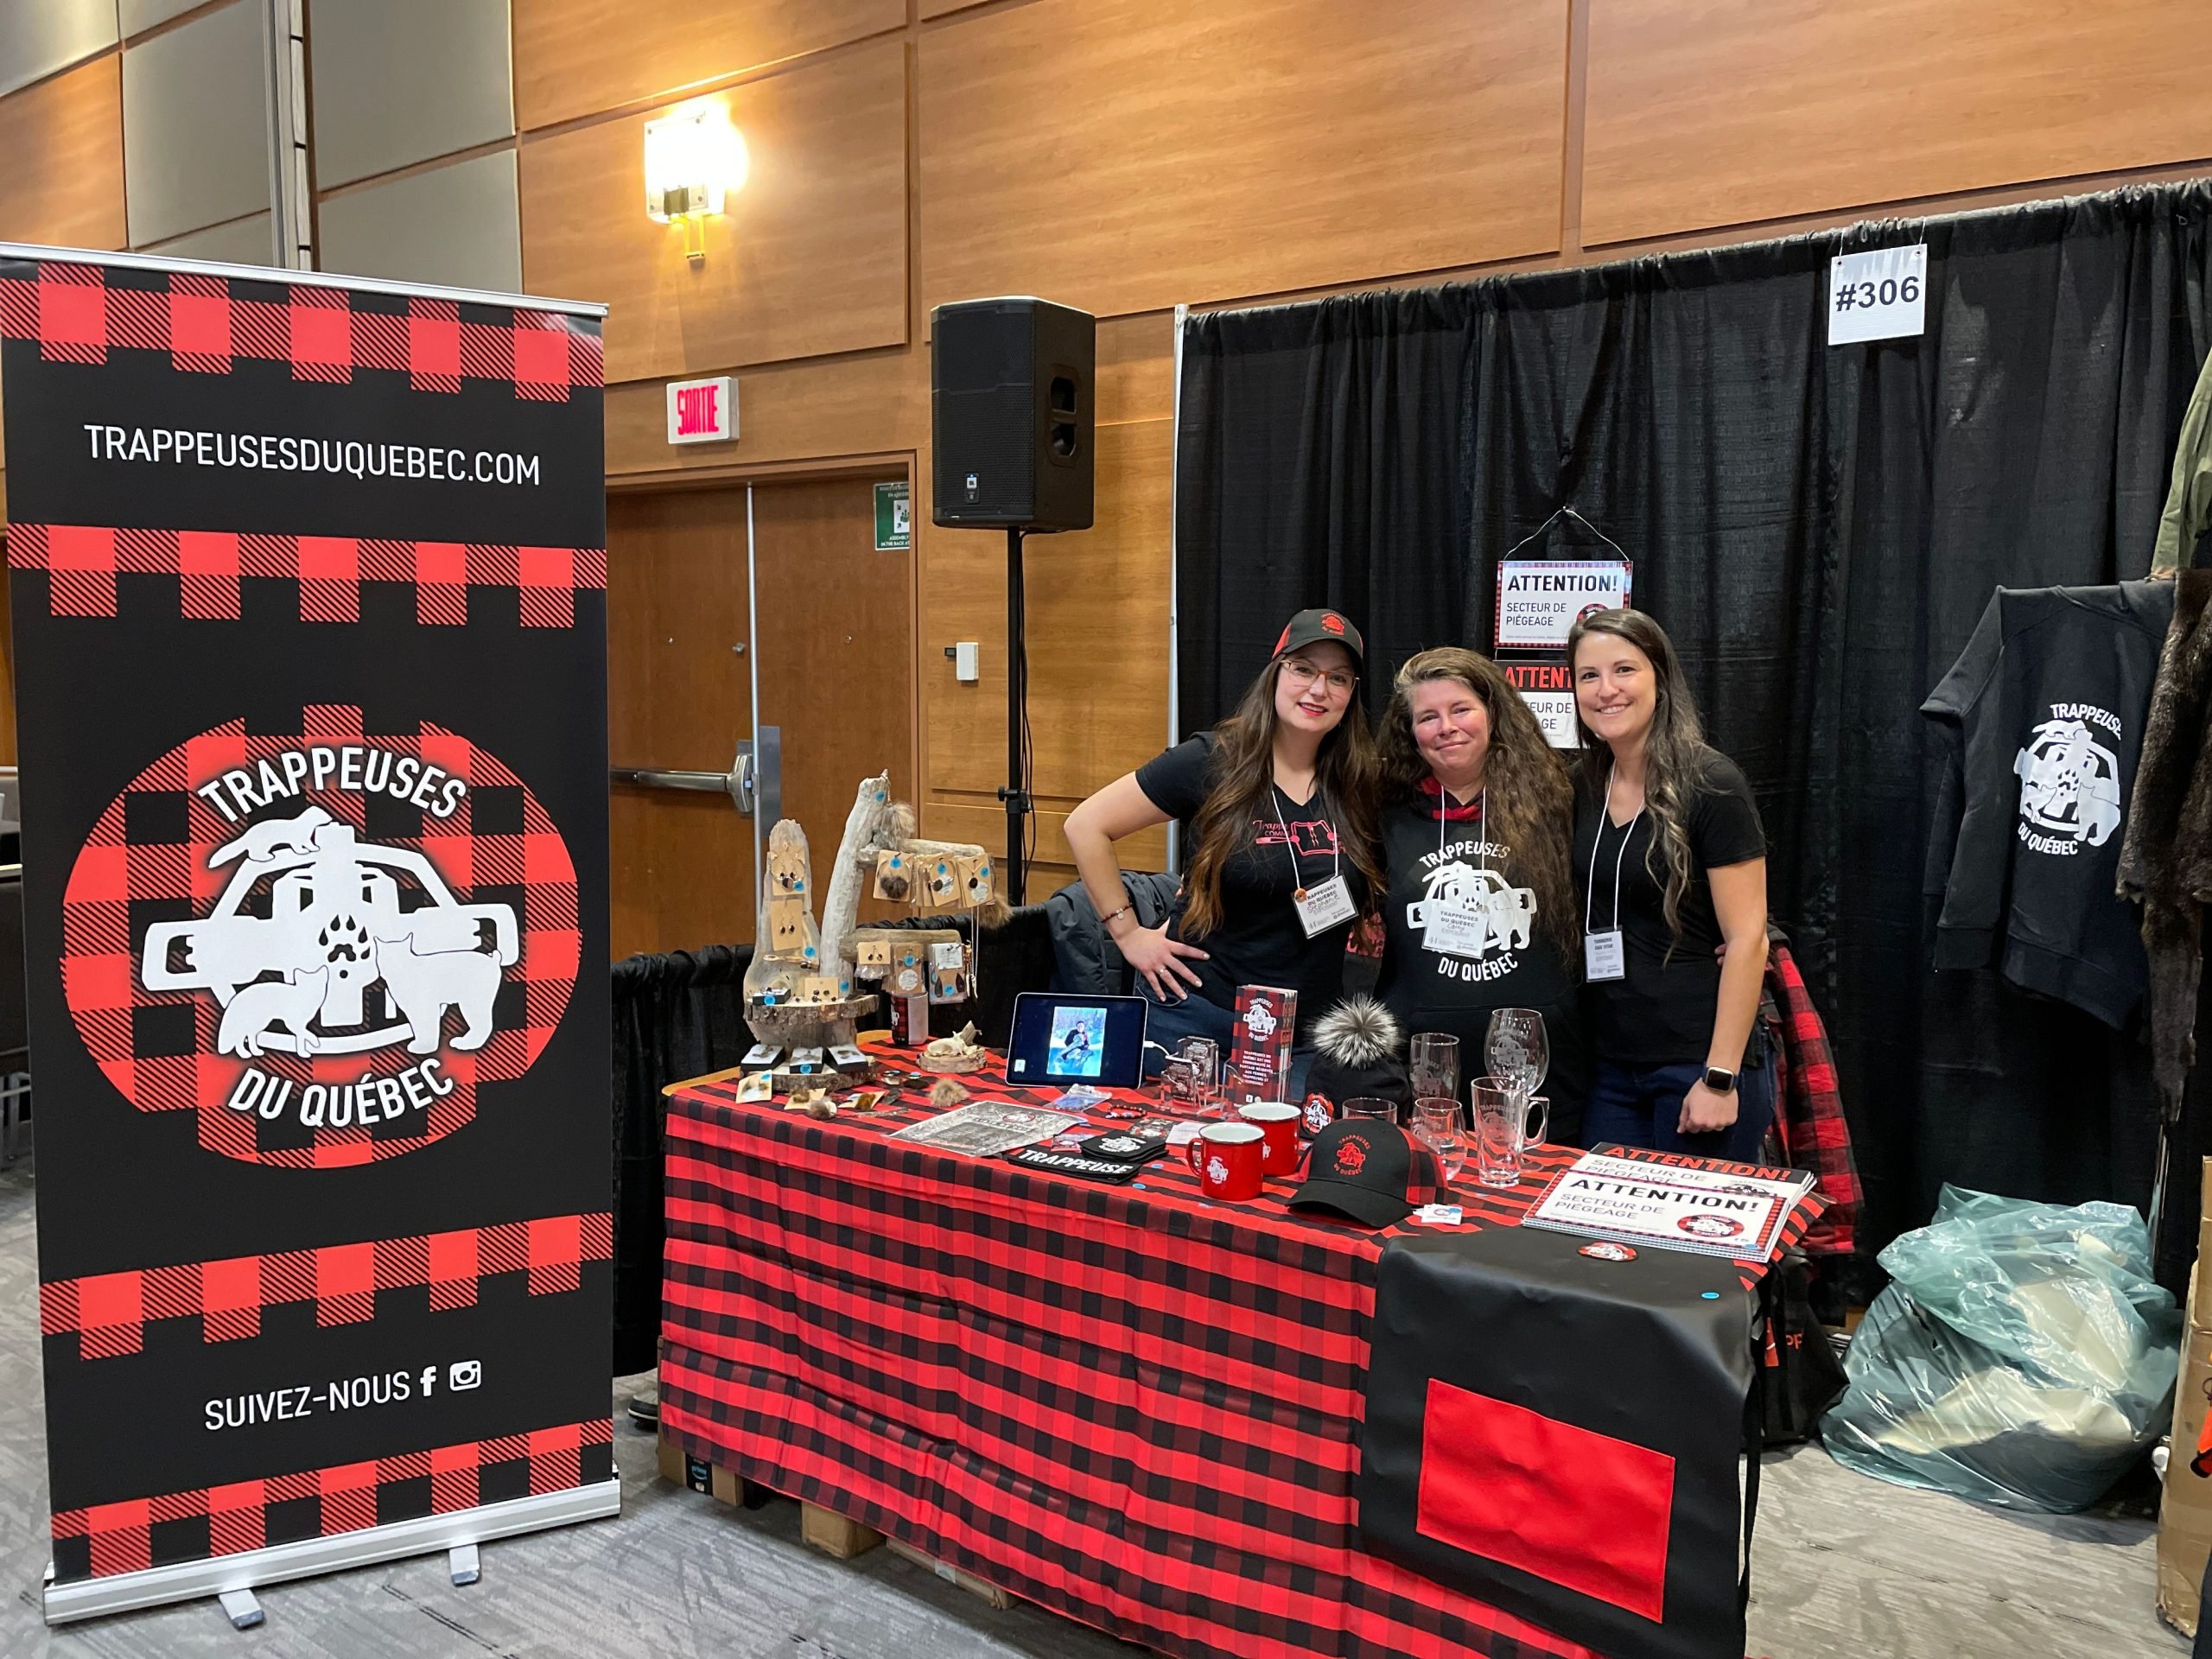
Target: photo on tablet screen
(1078, 1042)
(1062, 1039)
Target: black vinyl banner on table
(1553, 1426)
(308, 589)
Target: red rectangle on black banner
(1566, 1503)
(309, 591)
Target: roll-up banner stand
(308, 585)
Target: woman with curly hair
(1277, 806)
(1478, 916)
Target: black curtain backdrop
(1818, 529)
(676, 1016)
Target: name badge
(1323, 907)
(1603, 957)
(1456, 929)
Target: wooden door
(837, 641)
(680, 696)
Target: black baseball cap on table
(1314, 627)
(1361, 1167)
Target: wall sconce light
(694, 157)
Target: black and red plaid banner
(83, 561)
(1126, 1403)
(109, 1311)
(79, 313)
(104, 1539)
(309, 642)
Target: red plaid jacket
(1808, 1113)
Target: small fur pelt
(1359, 1031)
(2165, 858)
(947, 1092)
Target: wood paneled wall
(61, 183)
(810, 259)
(1128, 155)
(1734, 112)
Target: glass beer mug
(1502, 1131)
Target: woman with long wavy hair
(1476, 820)
(1277, 803)
(1670, 865)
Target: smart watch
(1720, 1081)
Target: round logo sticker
(321, 942)
(1604, 1249)
(1710, 1226)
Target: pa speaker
(1011, 413)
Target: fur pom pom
(1359, 1031)
(947, 1092)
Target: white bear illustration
(263, 842)
(424, 987)
(251, 1012)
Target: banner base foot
(461, 1564)
(242, 1608)
(124, 1592)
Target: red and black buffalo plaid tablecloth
(1126, 1403)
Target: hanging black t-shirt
(2044, 711)
(1660, 1012)
(1259, 940)
(1437, 853)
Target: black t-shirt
(2045, 710)
(1259, 940)
(1660, 1014)
(1435, 853)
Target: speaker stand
(1013, 866)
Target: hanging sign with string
(1539, 600)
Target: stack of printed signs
(1708, 1209)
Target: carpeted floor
(1845, 1568)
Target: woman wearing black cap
(1476, 815)
(1280, 837)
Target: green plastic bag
(2021, 1356)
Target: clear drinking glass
(1437, 1126)
(1432, 1060)
(1519, 1055)
(1365, 1106)
(1502, 1132)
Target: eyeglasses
(1302, 674)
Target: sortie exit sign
(702, 411)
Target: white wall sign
(1879, 295)
(1538, 600)
(702, 411)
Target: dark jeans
(1168, 1023)
(1640, 1106)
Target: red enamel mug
(1278, 1121)
(1231, 1165)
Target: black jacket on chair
(1085, 960)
